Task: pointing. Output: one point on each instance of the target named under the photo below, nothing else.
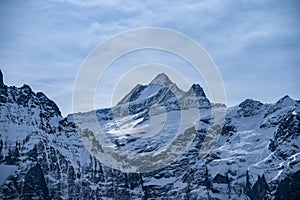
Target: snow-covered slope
(42, 156)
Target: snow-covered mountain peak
(249, 107)
(161, 90)
(250, 103)
(15, 97)
(155, 91)
(162, 79)
(286, 101)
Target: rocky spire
(197, 90)
(2, 86)
(3, 89)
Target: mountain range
(43, 155)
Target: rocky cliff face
(42, 156)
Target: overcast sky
(255, 44)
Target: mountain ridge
(42, 156)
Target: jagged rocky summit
(43, 157)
